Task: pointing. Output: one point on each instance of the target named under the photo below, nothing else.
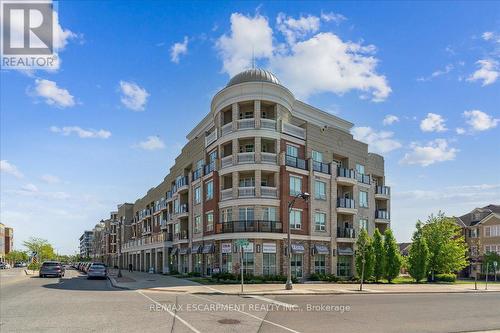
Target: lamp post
(304, 196)
(118, 243)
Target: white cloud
(433, 152)
(29, 188)
(179, 49)
(294, 29)
(437, 73)
(50, 179)
(250, 36)
(82, 133)
(151, 143)
(390, 119)
(53, 94)
(33, 191)
(11, 169)
(488, 72)
(433, 123)
(378, 142)
(480, 121)
(491, 36)
(307, 65)
(133, 96)
(61, 35)
(460, 130)
(333, 17)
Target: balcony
(246, 192)
(346, 176)
(268, 192)
(207, 169)
(197, 174)
(183, 235)
(246, 158)
(346, 233)
(227, 128)
(293, 130)
(346, 206)
(169, 195)
(211, 138)
(249, 226)
(321, 167)
(364, 179)
(163, 224)
(382, 216)
(295, 162)
(226, 194)
(269, 124)
(382, 192)
(183, 210)
(226, 161)
(181, 184)
(244, 124)
(268, 158)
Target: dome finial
(253, 57)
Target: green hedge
(446, 277)
(324, 277)
(34, 266)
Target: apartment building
(481, 228)
(6, 241)
(258, 148)
(86, 240)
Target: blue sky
(136, 77)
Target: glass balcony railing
(385, 190)
(321, 167)
(197, 174)
(382, 214)
(209, 168)
(249, 226)
(295, 162)
(347, 173)
(182, 181)
(346, 203)
(346, 232)
(365, 179)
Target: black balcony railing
(295, 162)
(197, 174)
(321, 167)
(347, 173)
(346, 232)
(382, 214)
(249, 226)
(346, 203)
(209, 168)
(365, 179)
(386, 190)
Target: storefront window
(184, 263)
(344, 266)
(248, 263)
(269, 264)
(320, 263)
(297, 265)
(197, 263)
(227, 262)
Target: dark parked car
(51, 268)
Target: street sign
(241, 242)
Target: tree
(393, 258)
(447, 247)
(418, 258)
(16, 255)
(42, 247)
(379, 252)
(364, 250)
(488, 259)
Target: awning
(345, 251)
(174, 251)
(298, 248)
(208, 248)
(196, 249)
(184, 250)
(321, 249)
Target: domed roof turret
(253, 75)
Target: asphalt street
(75, 304)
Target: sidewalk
(165, 283)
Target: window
(344, 266)
(226, 215)
(246, 214)
(176, 206)
(295, 185)
(320, 263)
(296, 264)
(268, 264)
(247, 148)
(210, 190)
(212, 156)
(197, 224)
(199, 164)
(177, 228)
(269, 214)
(492, 231)
(360, 169)
(319, 221)
(319, 190)
(292, 151)
(248, 263)
(363, 199)
(210, 221)
(197, 262)
(295, 219)
(227, 262)
(197, 195)
(247, 182)
(363, 224)
(317, 156)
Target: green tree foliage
(488, 259)
(393, 258)
(16, 255)
(364, 250)
(447, 247)
(379, 252)
(42, 247)
(418, 258)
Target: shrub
(323, 277)
(194, 274)
(446, 277)
(34, 266)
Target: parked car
(4, 265)
(97, 270)
(20, 264)
(51, 268)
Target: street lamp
(304, 196)
(118, 243)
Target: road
(75, 304)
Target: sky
(420, 81)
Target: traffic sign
(241, 242)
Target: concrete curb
(115, 284)
(26, 271)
